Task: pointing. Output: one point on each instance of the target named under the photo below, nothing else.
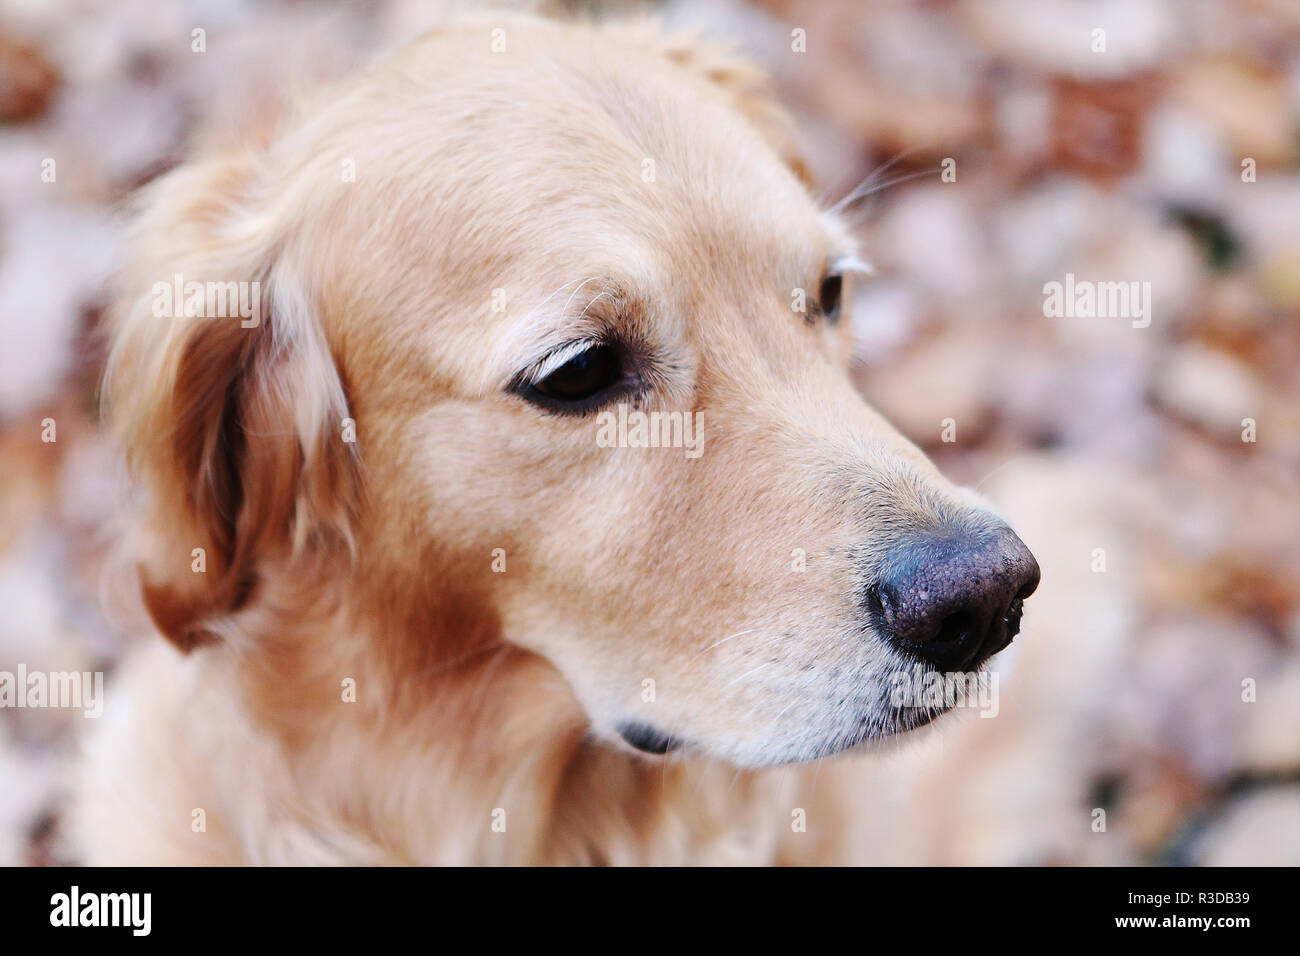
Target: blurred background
(1165, 149)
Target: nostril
(951, 642)
(880, 612)
(952, 631)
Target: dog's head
(551, 329)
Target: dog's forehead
(569, 123)
(534, 170)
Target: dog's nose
(954, 601)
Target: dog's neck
(465, 748)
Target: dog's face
(547, 255)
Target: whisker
(976, 486)
(734, 778)
(871, 189)
(602, 295)
(752, 670)
(573, 295)
(724, 640)
(540, 305)
(875, 173)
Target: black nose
(954, 601)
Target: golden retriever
(503, 493)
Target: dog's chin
(909, 726)
(875, 735)
(879, 734)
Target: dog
(433, 589)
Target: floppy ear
(231, 422)
(748, 86)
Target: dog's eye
(585, 381)
(583, 375)
(829, 297)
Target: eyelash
(527, 384)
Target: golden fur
(330, 561)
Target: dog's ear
(231, 411)
(747, 86)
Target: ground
(1150, 710)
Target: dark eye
(829, 297)
(585, 381)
